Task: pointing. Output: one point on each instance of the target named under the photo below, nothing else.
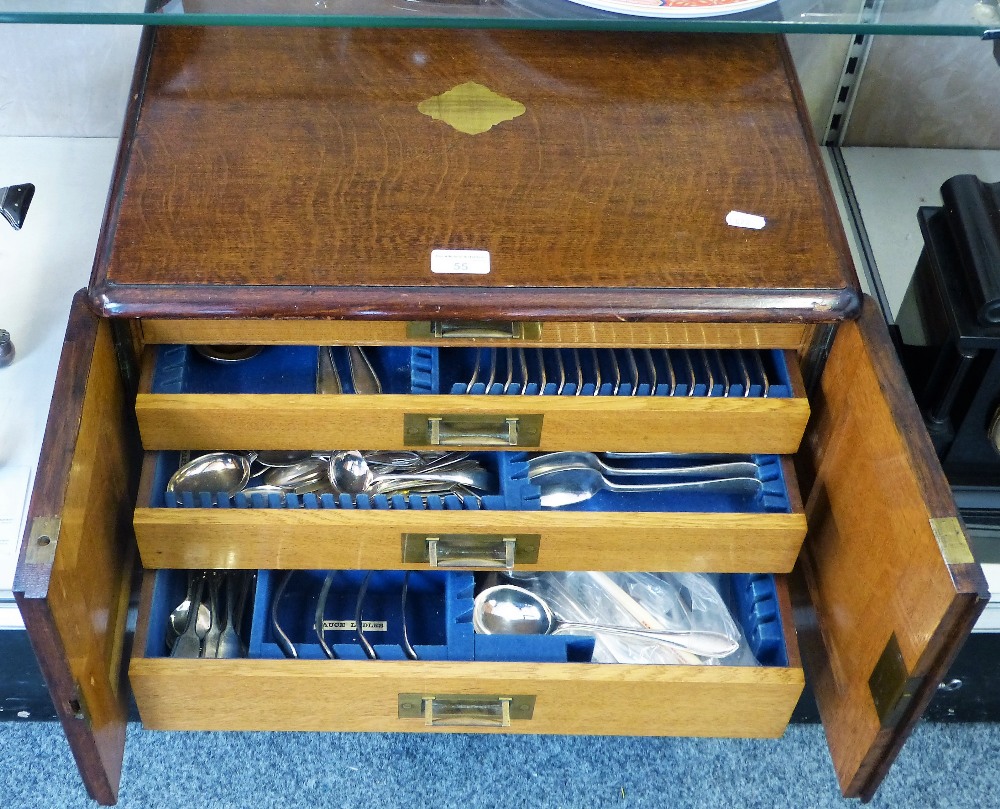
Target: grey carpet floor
(942, 766)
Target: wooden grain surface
(553, 333)
(339, 539)
(663, 424)
(871, 565)
(345, 695)
(316, 187)
(74, 605)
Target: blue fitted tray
(439, 618)
(423, 370)
(516, 493)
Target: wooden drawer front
(433, 333)
(567, 697)
(684, 401)
(570, 698)
(654, 532)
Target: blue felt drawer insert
(515, 493)
(438, 620)
(771, 499)
(735, 373)
(288, 369)
(170, 590)
(509, 469)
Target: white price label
(460, 262)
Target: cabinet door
(73, 577)
(888, 589)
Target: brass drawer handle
(475, 551)
(516, 331)
(466, 710)
(463, 430)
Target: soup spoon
(507, 609)
(226, 472)
(350, 472)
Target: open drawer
(885, 589)
(569, 398)
(462, 678)
(757, 530)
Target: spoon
(230, 644)
(189, 643)
(210, 647)
(302, 473)
(349, 472)
(278, 457)
(569, 486)
(507, 609)
(221, 353)
(363, 375)
(557, 461)
(179, 616)
(327, 378)
(216, 472)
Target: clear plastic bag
(686, 608)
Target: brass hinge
(891, 686)
(42, 540)
(952, 541)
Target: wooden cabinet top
(313, 172)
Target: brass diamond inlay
(471, 108)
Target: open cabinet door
(74, 571)
(887, 587)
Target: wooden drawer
(390, 695)
(706, 532)
(663, 400)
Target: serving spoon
(507, 609)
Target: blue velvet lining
(439, 618)
(422, 370)
(715, 371)
(515, 493)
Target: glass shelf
(922, 17)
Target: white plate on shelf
(678, 9)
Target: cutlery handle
(362, 374)
(736, 469)
(626, 602)
(724, 485)
(680, 456)
(703, 644)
